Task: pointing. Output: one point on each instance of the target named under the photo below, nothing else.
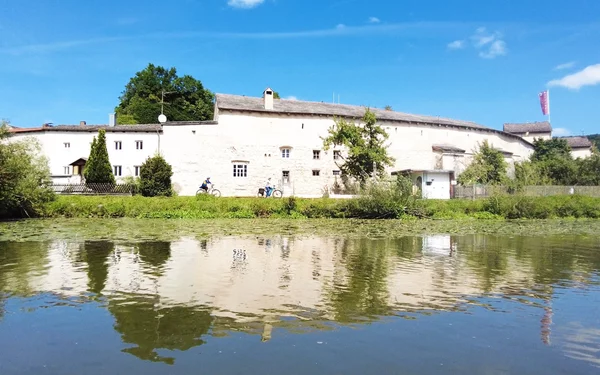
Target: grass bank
(207, 207)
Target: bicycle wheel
(277, 194)
(200, 192)
(215, 193)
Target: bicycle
(275, 193)
(211, 191)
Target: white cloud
(408, 28)
(561, 132)
(457, 44)
(374, 20)
(244, 4)
(568, 65)
(340, 26)
(291, 97)
(497, 48)
(590, 76)
(492, 42)
(483, 37)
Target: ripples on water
(437, 298)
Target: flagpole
(548, 98)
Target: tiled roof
(530, 127)
(253, 104)
(141, 128)
(90, 128)
(578, 142)
(448, 148)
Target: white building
(581, 147)
(530, 131)
(254, 138)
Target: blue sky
(63, 61)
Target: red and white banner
(545, 102)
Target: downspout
(158, 135)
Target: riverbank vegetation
(24, 178)
(550, 164)
(380, 205)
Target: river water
(301, 304)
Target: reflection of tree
(407, 247)
(95, 254)
(154, 255)
(487, 256)
(19, 261)
(365, 293)
(150, 328)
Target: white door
(436, 186)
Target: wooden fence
(484, 191)
(92, 189)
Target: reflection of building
(252, 279)
(170, 295)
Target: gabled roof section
(528, 127)
(448, 149)
(578, 142)
(142, 128)
(138, 128)
(283, 106)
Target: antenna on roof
(333, 98)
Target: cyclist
(268, 188)
(205, 184)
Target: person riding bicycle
(268, 188)
(205, 184)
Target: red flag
(545, 102)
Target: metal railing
(485, 191)
(93, 189)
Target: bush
(134, 184)
(378, 205)
(24, 178)
(155, 177)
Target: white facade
(241, 149)
(581, 152)
(64, 147)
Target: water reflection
(174, 295)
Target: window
(67, 144)
(117, 169)
(240, 170)
(136, 170)
(316, 154)
(337, 154)
(316, 172)
(139, 145)
(118, 145)
(285, 176)
(67, 170)
(337, 173)
(285, 153)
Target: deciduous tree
(24, 177)
(488, 167)
(185, 98)
(365, 144)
